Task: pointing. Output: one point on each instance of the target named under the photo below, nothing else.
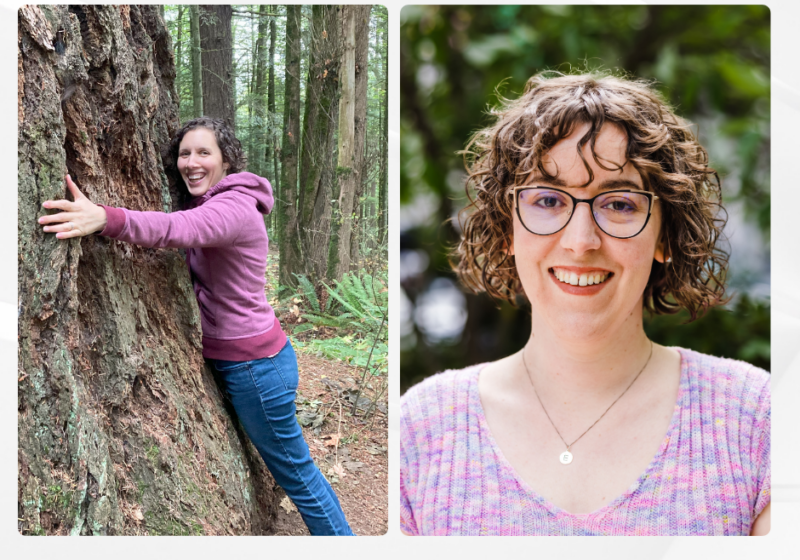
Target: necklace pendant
(565, 458)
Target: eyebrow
(608, 184)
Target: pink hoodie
(226, 241)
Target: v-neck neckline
(655, 463)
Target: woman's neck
(593, 364)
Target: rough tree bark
(319, 127)
(288, 215)
(121, 427)
(216, 42)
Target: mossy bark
(121, 427)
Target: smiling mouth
(195, 178)
(583, 279)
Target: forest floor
(351, 451)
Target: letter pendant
(565, 458)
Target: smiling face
(200, 161)
(580, 281)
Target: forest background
(711, 62)
(121, 426)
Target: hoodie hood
(244, 182)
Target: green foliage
(740, 331)
(306, 289)
(357, 308)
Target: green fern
(307, 291)
(356, 307)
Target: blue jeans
(263, 393)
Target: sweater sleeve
(216, 223)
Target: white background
(785, 534)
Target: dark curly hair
(231, 148)
(661, 147)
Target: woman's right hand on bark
(77, 218)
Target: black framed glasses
(620, 213)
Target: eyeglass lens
(619, 214)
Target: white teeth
(585, 279)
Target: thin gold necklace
(566, 456)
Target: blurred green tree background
(711, 63)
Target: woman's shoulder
(726, 377)
(724, 367)
(439, 392)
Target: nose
(190, 161)
(581, 233)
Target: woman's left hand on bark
(77, 218)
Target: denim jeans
(263, 393)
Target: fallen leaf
(287, 505)
(334, 441)
(137, 513)
(338, 470)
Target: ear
(660, 255)
(225, 166)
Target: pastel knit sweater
(226, 241)
(711, 475)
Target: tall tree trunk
(216, 42)
(270, 158)
(319, 127)
(360, 166)
(341, 222)
(122, 429)
(383, 186)
(288, 215)
(260, 102)
(197, 68)
(179, 54)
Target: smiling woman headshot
(595, 200)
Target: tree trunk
(197, 73)
(270, 139)
(383, 185)
(319, 127)
(216, 42)
(122, 429)
(360, 166)
(286, 206)
(179, 54)
(339, 254)
(260, 102)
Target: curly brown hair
(229, 145)
(661, 147)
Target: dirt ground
(357, 445)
